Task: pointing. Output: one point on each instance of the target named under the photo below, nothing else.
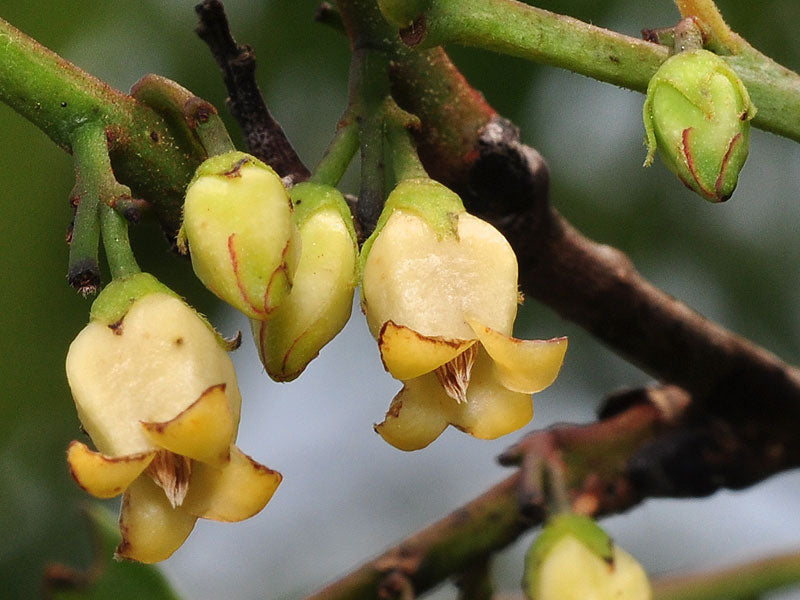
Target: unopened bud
(237, 220)
(697, 113)
(574, 559)
(321, 299)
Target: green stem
(83, 273)
(214, 136)
(60, 99)
(736, 583)
(721, 38)
(405, 160)
(369, 76)
(339, 153)
(516, 29)
(119, 255)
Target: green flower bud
(321, 298)
(237, 220)
(574, 559)
(697, 113)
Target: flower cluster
(157, 393)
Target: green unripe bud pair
(697, 113)
(289, 264)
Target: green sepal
(107, 578)
(583, 529)
(308, 198)
(226, 164)
(433, 202)
(118, 296)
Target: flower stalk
(516, 29)
(61, 100)
(340, 152)
(116, 244)
(95, 186)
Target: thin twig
(264, 137)
(498, 516)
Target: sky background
(346, 494)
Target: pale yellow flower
(157, 393)
(442, 304)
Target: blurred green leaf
(106, 577)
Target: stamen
(454, 376)
(171, 473)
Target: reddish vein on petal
(690, 162)
(723, 168)
(239, 282)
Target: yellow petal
(415, 417)
(491, 410)
(151, 529)
(234, 492)
(407, 354)
(203, 431)
(104, 476)
(522, 365)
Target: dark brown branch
(497, 517)
(264, 137)
(646, 430)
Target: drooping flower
(237, 222)
(321, 298)
(697, 114)
(574, 559)
(439, 290)
(157, 394)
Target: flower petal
(203, 431)
(104, 476)
(151, 529)
(234, 492)
(491, 410)
(527, 366)
(415, 417)
(407, 354)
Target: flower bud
(237, 221)
(697, 113)
(157, 394)
(321, 298)
(574, 559)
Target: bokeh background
(346, 494)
